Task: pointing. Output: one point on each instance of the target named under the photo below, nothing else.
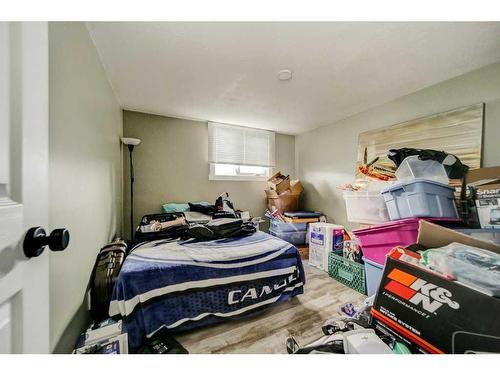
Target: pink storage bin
(378, 240)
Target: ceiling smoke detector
(285, 75)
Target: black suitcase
(173, 232)
(104, 275)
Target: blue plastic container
(374, 272)
(279, 226)
(420, 198)
(295, 238)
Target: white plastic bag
(475, 267)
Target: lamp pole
(132, 180)
(131, 143)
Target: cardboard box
(486, 183)
(283, 202)
(303, 251)
(279, 183)
(433, 313)
(271, 194)
(432, 236)
(488, 205)
(296, 187)
(479, 174)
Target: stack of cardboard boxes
(282, 193)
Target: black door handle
(36, 239)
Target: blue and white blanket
(183, 285)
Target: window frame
(213, 177)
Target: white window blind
(229, 144)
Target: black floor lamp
(131, 143)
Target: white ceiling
(227, 72)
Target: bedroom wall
(326, 157)
(171, 165)
(85, 172)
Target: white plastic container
(364, 341)
(323, 239)
(413, 168)
(366, 207)
(317, 257)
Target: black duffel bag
(452, 164)
(221, 228)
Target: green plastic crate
(347, 272)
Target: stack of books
(295, 216)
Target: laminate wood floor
(266, 332)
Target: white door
(24, 283)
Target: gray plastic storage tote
(374, 272)
(295, 238)
(420, 198)
(278, 226)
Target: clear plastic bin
(278, 226)
(412, 168)
(295, 238)
(365, 207)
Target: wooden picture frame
(458, 131)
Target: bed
(180, 285)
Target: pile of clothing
(199, 220)
(352, 334)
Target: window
(238, 153)
(238, 172)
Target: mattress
(175, 285)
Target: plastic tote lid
(415, 181)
